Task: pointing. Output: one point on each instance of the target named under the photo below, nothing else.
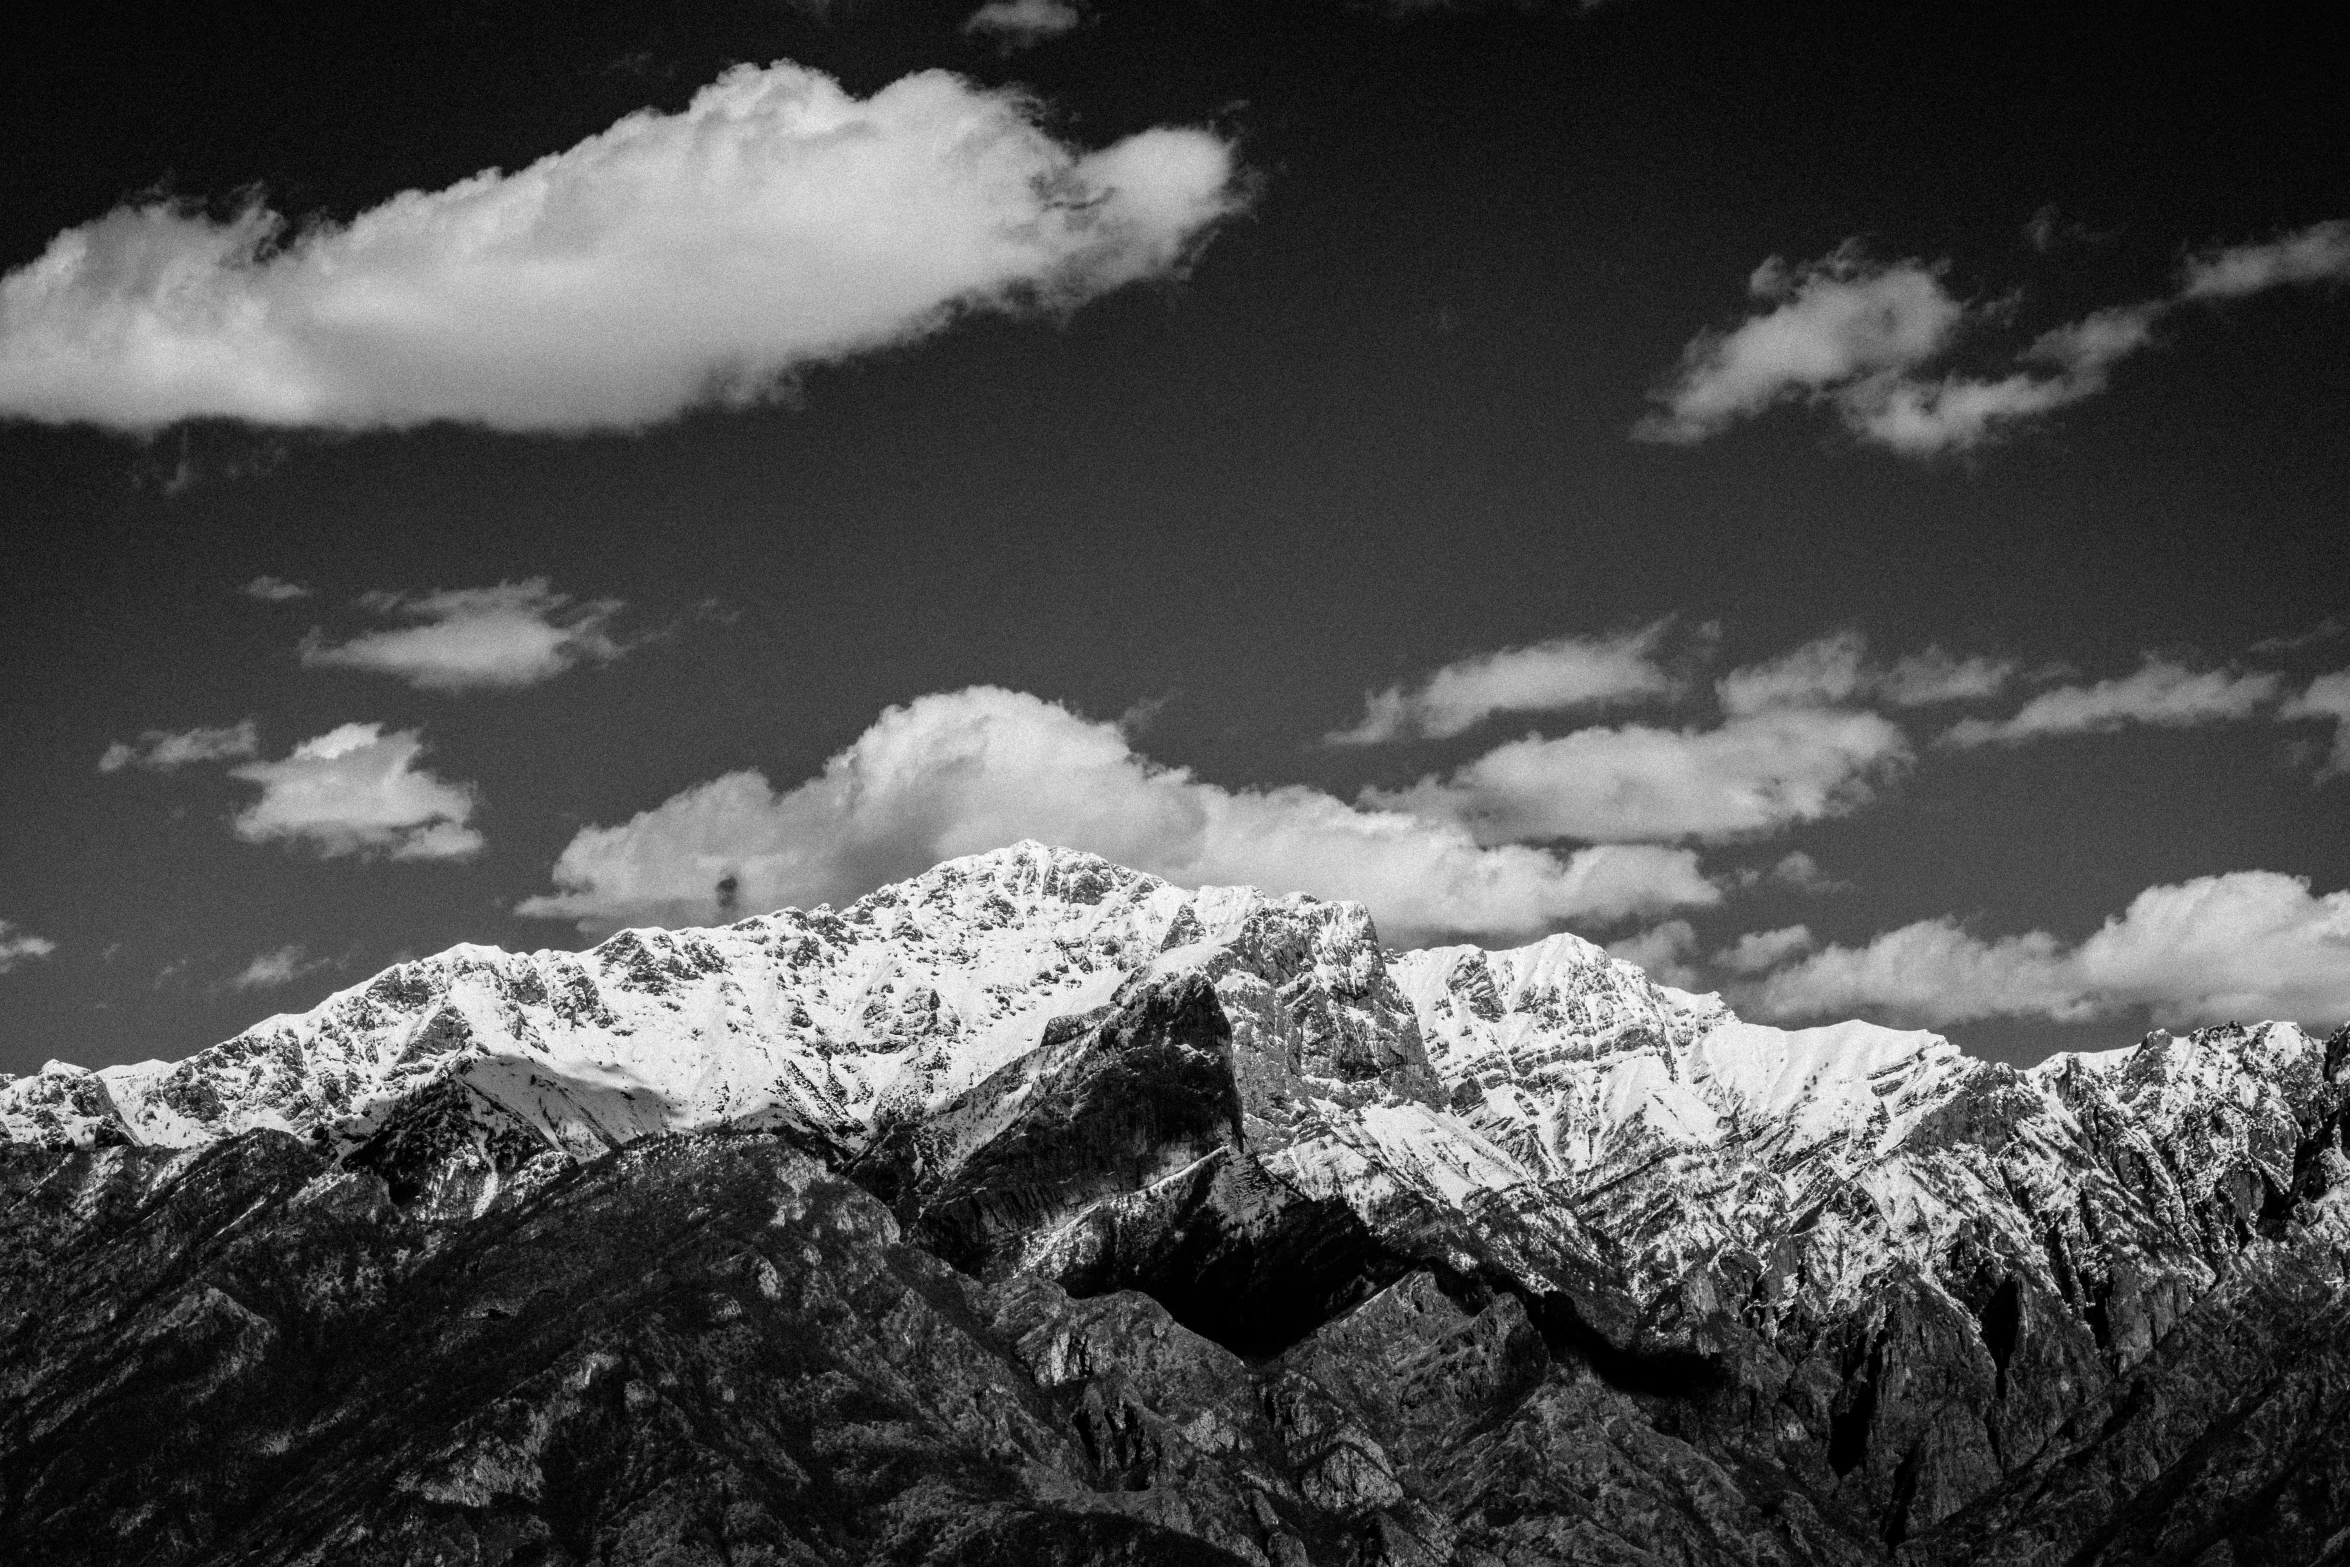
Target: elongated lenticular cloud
(775, 223)
(964, 771)
(2159, 693)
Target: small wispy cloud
(19, 946)
(2161, 693)
(275, 590)
(270, 970)
(1559, 675)
(1861, 336)
(356, 790)
(514, 634)
(1023, 24)
(166, 750)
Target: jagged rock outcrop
(1038, 1209)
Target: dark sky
(1382, 424)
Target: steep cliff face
(1038, 1206)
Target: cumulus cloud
(1831, 323)
(671, 261)
(1860, 336)
(2159, 692)
(1756, 772)
(2245, 946)
(1554, 676)
(1819, 673)
(274, 590)
(269, 970)
(1836, 668)
(358, 790)
(960, 772)
(1760, 950)
(165, 750)
(1023, 24)
(1664, 952)
(515, 634)
(19, 946)
(2328, 696)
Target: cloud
(1836, 669)
(1924, 418)
(1759, 950)
(1833, 321)
(1932, 677)
(1023, 24)
(1758, 771)
(2160, 692)
(275, 590)
(2324, 631)
(1798, 871)
(1816, 674)
(964, 771)
(358, 790)
(2049, 229)
(2328, 696)
(515, 634)
(270, 970)
(669, 262)
(1859, 336)
(2317, 254)
(19, 946)
(1563, 673)
(164, 750)
(2245, 946)
(1663, 952)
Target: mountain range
(1038, 1210)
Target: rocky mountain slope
(1036, 1209)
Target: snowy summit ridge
(1547, 1114)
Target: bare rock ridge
(1037, 1210)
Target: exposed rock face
(1037, 1210)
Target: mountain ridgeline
(1036, 1211)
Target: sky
(1846, 505)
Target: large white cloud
(1861, 336)
(515, 634)
(1553, 676)
(358, 790)
(1754, 773)
(2243, 946)
(2160, 692)
(959, 772)
(670, 261)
